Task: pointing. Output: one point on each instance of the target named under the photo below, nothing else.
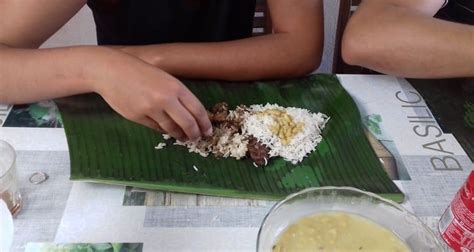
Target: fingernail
(208, 132)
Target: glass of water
(9, 188)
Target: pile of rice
(300, 145)
(256, 122)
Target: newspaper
(430, 167)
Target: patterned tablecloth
(428, 164)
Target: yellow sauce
(284, 127)
(338, 232)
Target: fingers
(176, 111)
(150, 123)
(169, 126)
(179, 114)
(197, 110)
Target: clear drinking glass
(9, 189)
(311, 201)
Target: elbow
(304, 64)
(364, 35)
(302, 68)
(370, 49)
(354, 46)
(309, 65)
(350, 50)
(367, 39)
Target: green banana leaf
(106, 148)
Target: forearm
(29, 75)
(404, 42)
(263, 57)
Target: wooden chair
(262, 22)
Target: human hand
(147, 95)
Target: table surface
(430, 167)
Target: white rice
(300, 145)
(234, 145)
(194, 147)
(160, 146)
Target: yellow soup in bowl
(338, 232)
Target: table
(431, 168)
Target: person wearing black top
(145, 44)
(416, 39)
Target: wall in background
(331, 13)
(80, 30)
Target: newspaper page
(427, 164)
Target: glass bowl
(350, 200)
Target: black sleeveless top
(141, 22)
(461, 11)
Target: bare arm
(401, 37)
(294, 49)
(30, 75)
(135, 89)
(22, 68)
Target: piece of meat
(258, 152)
(219, 112)
(231, 126)
(220, 107)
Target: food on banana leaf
(260, 132)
